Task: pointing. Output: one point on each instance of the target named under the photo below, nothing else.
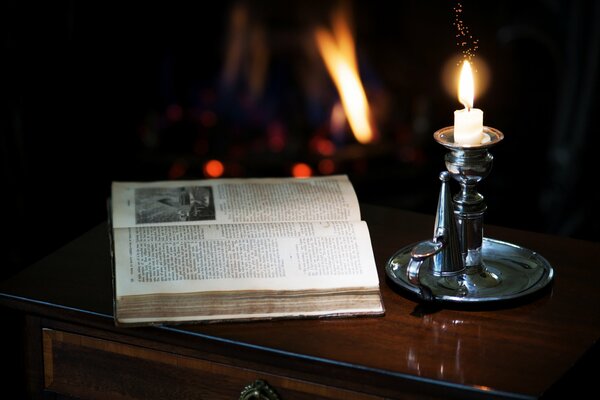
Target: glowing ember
(213, 169)
(337, 50)
(301, 170)
(177, 170)
(326, 166)
(324, 147)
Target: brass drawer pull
(258, 390)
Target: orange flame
(337, 49)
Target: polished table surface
(511, 350)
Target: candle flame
(466, 86)
(338, 53)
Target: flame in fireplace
(338, 52)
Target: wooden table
(535, 348)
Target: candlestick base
(511, 272)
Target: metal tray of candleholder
(521, 272)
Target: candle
(468, 123)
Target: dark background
(94, 92)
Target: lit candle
(468, 123)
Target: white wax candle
(468, 126)
(468, 123)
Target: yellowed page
(277, 256)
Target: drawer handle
(258, 390)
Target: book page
(220, 201)
(275, 256)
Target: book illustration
(160, 205)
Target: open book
(228, 249)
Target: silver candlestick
(459, 264)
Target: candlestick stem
(468, 165)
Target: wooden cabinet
(532, 349)
(90, 363)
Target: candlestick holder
(459, 264)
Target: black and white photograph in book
(156, 205)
